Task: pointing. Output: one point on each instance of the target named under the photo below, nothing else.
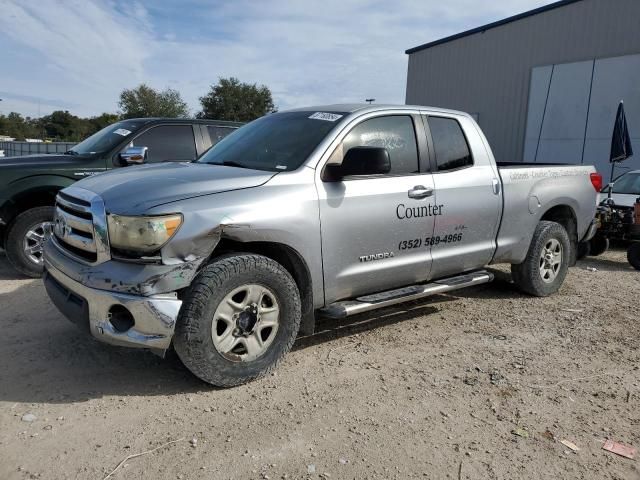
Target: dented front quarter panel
(124, 277)
(284, 210)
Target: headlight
(142, 234)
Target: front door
(375, 228)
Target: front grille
(78, 225)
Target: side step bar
(391, 297)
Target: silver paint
(330, 225)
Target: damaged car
(332, 210)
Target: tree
(144, 101)
(63, 126)
(16, 126)
(240, 102)
(101, 121)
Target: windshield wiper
(71, 152)
(231, 163)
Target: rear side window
(450, 145)
(395, 133)
(168, 143)
(218, 133)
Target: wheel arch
(565, 215)
(290, 259)
(43, 196)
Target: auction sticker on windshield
(329, 117)
(122, 131)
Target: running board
(391, 297)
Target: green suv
(29, 184)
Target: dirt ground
(433, 389)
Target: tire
(29, 223)
(583, 250)
(633, 255)
(598, 245)
(543, 276)
(202, 340)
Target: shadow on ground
(47, 359)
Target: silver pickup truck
(331, 210)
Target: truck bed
(531, 192)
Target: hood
(49, 160)
(134, 190)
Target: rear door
(374, 227)
(467, 187)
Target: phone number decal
(430, 241)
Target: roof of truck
(374, 107)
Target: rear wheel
(584, 248)
(25, 240)
(633, 255)
(239, 319)
(598, 245)
(545, 266)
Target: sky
(79, 55)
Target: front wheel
(240, 317)
(547, 261)
(633, 255)
(25, 240)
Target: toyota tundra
(332, 210)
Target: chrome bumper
(154, 316)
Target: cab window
(395, 133)
(450, 145)
(218, 133)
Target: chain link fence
(17, 149)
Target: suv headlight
(142, 234)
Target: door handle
(420, 191)
(496, 186)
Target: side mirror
(360, 161)
(134, 155)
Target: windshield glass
(629, 184)
(107, 138)
(277, 142)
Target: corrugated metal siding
(488, 73)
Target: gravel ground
(432, 389)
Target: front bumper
(154, 317)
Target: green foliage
(144, 101)
(233, 100)
(101, 121)
(16, 126)
(229, 99)
(61, 124)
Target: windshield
(629, 184)
(277, 142)
(107, 138)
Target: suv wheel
(545, 267)
(240, 317)
(25, 240)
